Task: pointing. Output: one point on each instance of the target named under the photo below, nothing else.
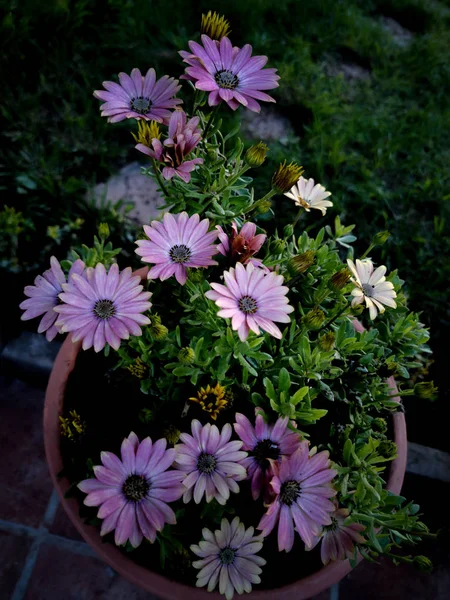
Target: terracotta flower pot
(145, 578)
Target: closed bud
(379, 425)
(357, 310)
(339, 280)
(303, 261)
(288, 231)
(158, 331)
(103, 231)
(425, 390)
(314, 318)
(277, 245)
(186, 356)
(380, 238)
(213, 154)
(172, 434)
(327, 341)
(423, 563)
(387, 449)
(256, 155)
(286, 176)
(145, 415)
(138, 368)
(215, 26)
(195, 275)
(263, 207)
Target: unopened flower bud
(286, 176)
(387, 449)
(288, 231)
(172, 434)
(186, 356)
(103, 231)
(195, 275)
(263, 207)
(158, 331)
(213, 154)
(256, 155)
(423, 563)
(314, 318)
(215, 26)
(339, 280)
(303, 261)
(379, 425)
(380, 238)
(357, 310)
(145, 415)
(327, 341)
(425, 390)
(138, 368)
(277, 245)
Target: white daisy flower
(308, 196)
(371, 286)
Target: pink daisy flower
(183, 138)
(229, 557)
(178, 243)
(211, 462)
(103, 307)
(338, 539)
(266, 444)
(132, 493)
(252, 299)
(242, 245)
(139, 97)
(43, 296)
(302, 488)
(229, 74)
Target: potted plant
(229, 423)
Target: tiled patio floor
(42, 557)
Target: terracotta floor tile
(61, 574)
(13, 552)
(25, 484)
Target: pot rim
(144, 578)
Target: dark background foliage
(370, 111)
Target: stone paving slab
(13, 553)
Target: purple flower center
(368, 290)
(248, 305)
(104, 309)
(334, 525)
(141, 104)
(265, 450)
(206, 463)
(289, 492)
(135, 488)
(226, 80)
(180, 254)
(227, 555)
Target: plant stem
(159, 178)
(369, 249)
(338, 314)
(212, 114)
(297, 218)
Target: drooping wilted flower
(266, 445)
(252, 299)
(175, 244)
(132, 492)
(183, 138)
(229, 557)
(302, 491)
(139, 97)
(43, 296)
(211, 463)
(241, 245)
(338, 539)
(229, 74)
(215, 26)
(308, 196)
(103, 308)
(256, 155)
(372, 287)
(286, 176)
(211, 399)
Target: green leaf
(284, 380)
